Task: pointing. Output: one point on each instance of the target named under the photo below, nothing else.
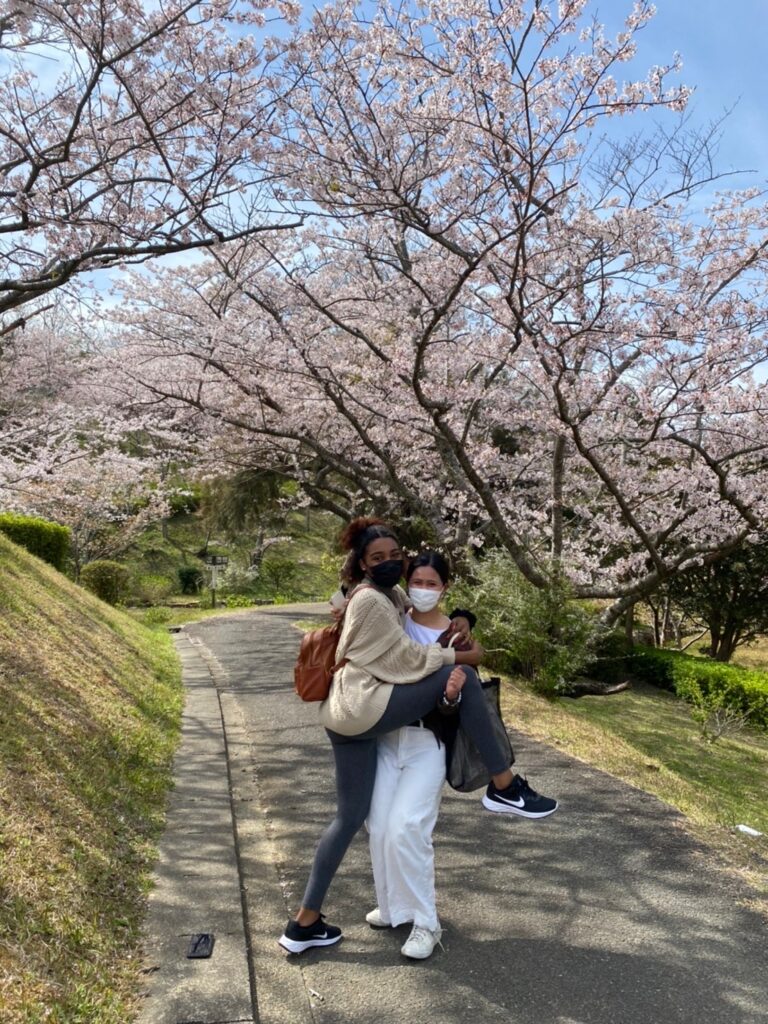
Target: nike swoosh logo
(514, 803)
(323, 936)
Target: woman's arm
(473, 656)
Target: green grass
(647, 737)
(90, 706)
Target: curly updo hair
(355, 538)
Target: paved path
(605, 913)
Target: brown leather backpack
(316, 662)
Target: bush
(237, 581)
(191, 579)
(705, 683)
(48, 541)
(542, 634)
(238, 601)
(609, 662)
(278, 575)
(156, 617)
(107, 580)
(151, 588)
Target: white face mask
(424, 600)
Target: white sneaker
(375, 920)
(421, 942)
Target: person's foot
(421, 942)
(455, 683)
(375, 920)
(296, 939)
(518, 798)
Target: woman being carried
(386, 681)
(410, 772)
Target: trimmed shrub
(156, 617)
(728, 686)
(191, 579)
(151, 588)
(107, 580)
(48, 541)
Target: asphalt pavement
(607, 912)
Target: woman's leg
(355, 776)
(408, 852)
(410, 701)
(388, 774)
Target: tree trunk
(629, 625)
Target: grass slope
(90, 706)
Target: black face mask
(386, 574)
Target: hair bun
(351, 532)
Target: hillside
(89, 714)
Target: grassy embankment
(89, 716)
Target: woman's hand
(338, 603)
(461, 628)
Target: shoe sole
(491, 805)
(295, 946)
(379, 927)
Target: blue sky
(725, 58)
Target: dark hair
(434, 560)
(355, 538)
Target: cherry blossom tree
(41, 426)
(505, 316)
(64, 453)
(106, 502)
(127, 130)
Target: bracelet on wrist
(450, 702)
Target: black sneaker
(518, 798)
(296, 939)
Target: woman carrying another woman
(386, 681)
(410, 772)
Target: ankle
(503, 779)
(305, 917)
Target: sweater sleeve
(408, 661)
(373, 639)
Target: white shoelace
(419, 933)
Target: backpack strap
(361, 586)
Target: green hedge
(741, 689)
(48, 541)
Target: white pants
(410, 772)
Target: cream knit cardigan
(380, 655)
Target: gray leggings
(356, 765)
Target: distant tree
(246, 508)
(730, 596)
